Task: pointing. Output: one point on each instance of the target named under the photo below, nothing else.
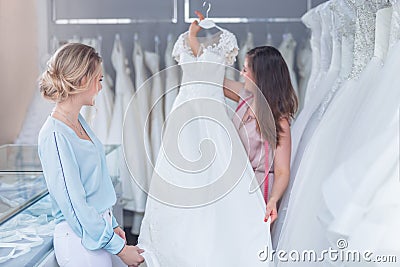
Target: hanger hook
(208, 9)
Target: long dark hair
(272, 77)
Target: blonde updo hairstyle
(67, 69)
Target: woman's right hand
(194, 28)
(130, 255)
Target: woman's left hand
(194, 28)
(271, 211)
(118, 230)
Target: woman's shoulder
(54, 128)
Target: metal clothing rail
(174, 19)
(81, 21)
(189, 19)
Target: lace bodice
(345, 15)
(365, 33)
(223, 45)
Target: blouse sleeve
(114, 222)
(62, 175)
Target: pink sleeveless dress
(255, 147)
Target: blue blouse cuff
(115, 245)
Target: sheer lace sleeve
(228, 44)
(180, 46)
(224, 45)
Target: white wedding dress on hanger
(270, 40)
(331, 133)
(304, 66)
(202, 176)
(138, 156)
(141, 77)
(370, 79)
(124, 131)
(152, 61)
(104, 109)
(313, 21)
(171, 77)
(287, 49)
(312, 100)
(104, 104)
(142, 100)
(341, 59)
(367, 177)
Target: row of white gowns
(145, 109)
(345, 164)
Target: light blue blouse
(79, 183)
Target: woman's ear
(84, 81)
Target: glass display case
(26, 222)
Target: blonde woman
(74, 165)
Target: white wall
(18, 64)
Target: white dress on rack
(101, 113)
(345, 25)
(152, 61)
(304, 66)
(138, 156)
(142, 100)
(298, 142)
(323, 81)
(370, 80)
(270, 41)
(287, 49)
(331, 133)
(367, 177)
(123, 130)
(313, 21)
(104, 109)
(171, 77)
(203, 176)
(325, 55)
(141, 77)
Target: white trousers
(70, 252)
